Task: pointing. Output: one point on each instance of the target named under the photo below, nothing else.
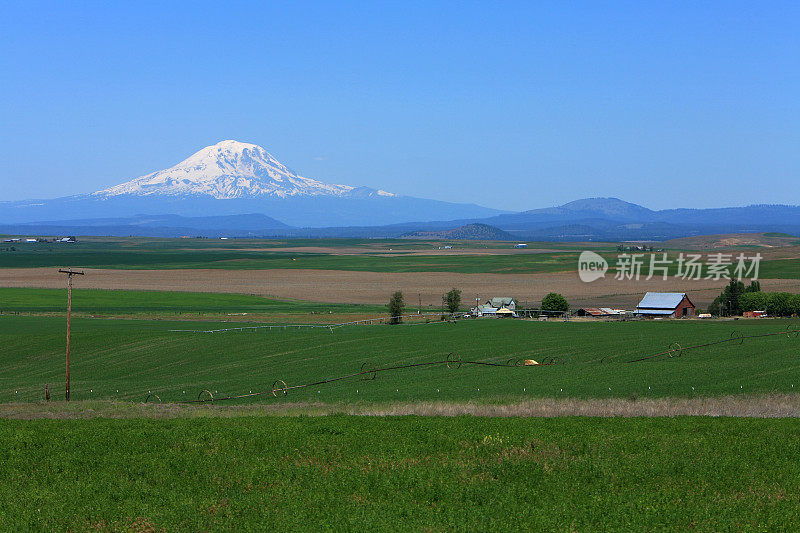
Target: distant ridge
(591, 219)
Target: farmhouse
(665, 304)
(502, 301)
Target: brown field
(375, 287)
(758, 406)
(731, 240)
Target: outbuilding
(665, 305)
(485, 310)
(600, 312)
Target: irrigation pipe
(454, 361)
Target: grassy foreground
(406, 473)
(126, 359)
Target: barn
(665, 304)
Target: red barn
(665, 304)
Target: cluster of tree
(738, 298)
(727, 303)
(774, 303)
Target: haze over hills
(593, 219)
(239, 189)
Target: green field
(89, 257)
(137, 356)
(407, 473)
(243, 254)
(99, 301)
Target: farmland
(130, 453)
(126, 359)
(136, 303)
(159, 259)
(345, 255)
(339, 472)
(352, 271)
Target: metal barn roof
(661, 300)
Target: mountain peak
(226, 170)
(607, 205)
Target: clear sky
(509, 105)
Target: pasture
(127, 359)
(406, 473)
(106, 302)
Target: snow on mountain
(232, 169)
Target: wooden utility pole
(69, 272)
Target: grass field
(124, 359)
(98, 301)
(370, 256)
(409, 473)
(84, 257)
(236, 466)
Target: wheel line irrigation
(454, 361)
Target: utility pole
(69, 272)
(420, 304)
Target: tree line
(737, 298)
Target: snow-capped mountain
(236, 178)
(232, 169)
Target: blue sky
(509, 105)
